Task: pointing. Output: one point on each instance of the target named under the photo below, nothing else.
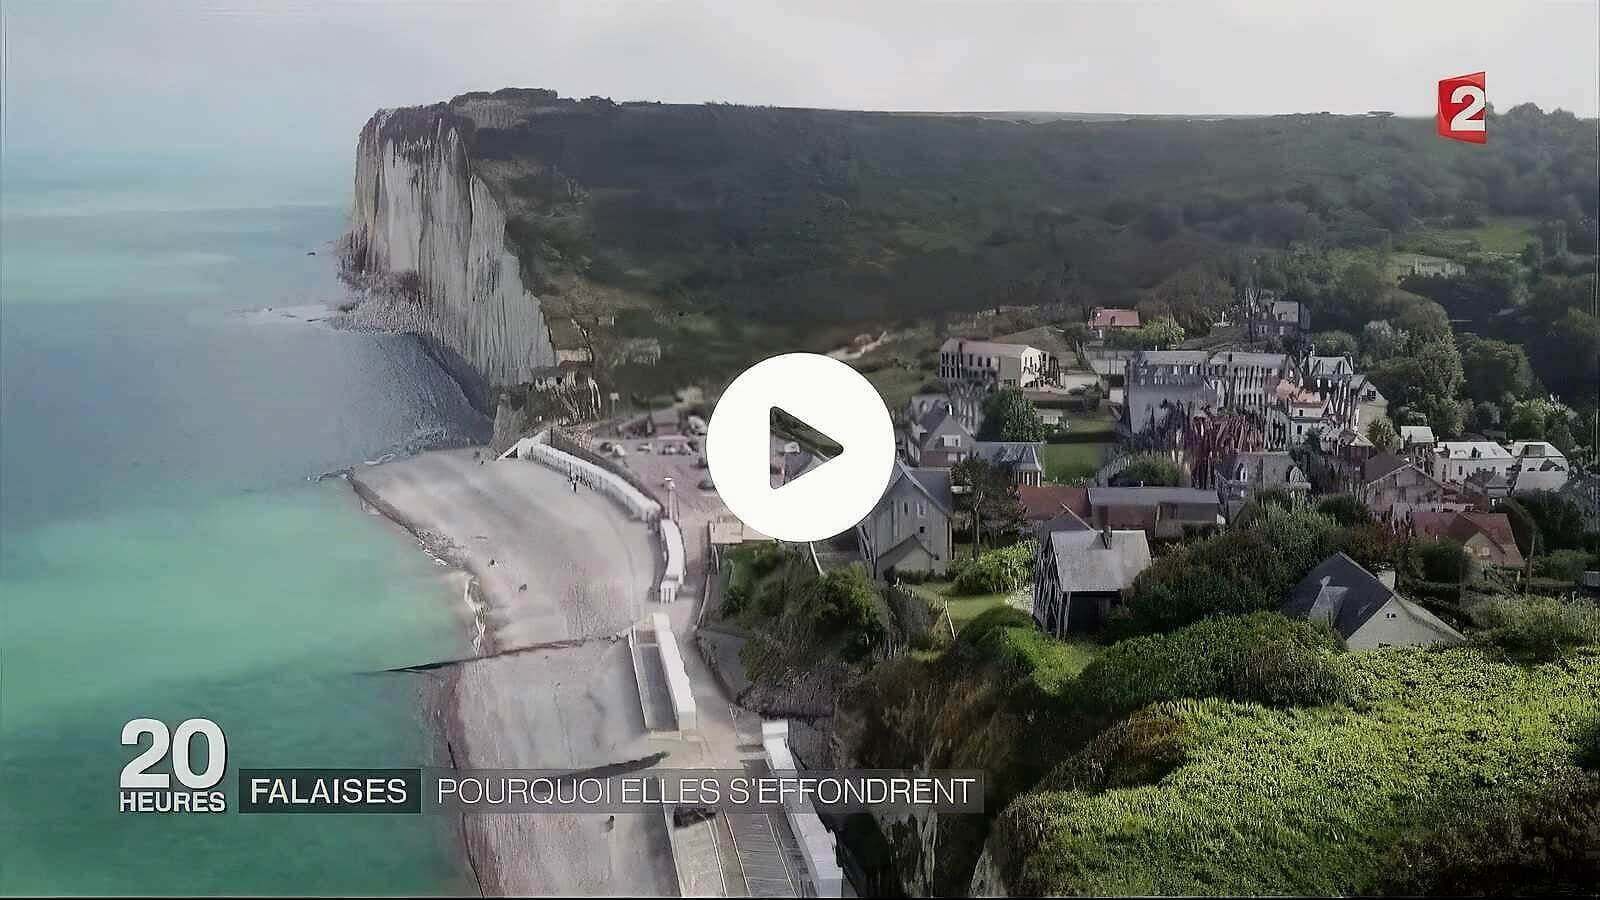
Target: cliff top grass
(1306, 800)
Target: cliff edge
(427, 235)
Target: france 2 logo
(1461, 109)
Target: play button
(826, 396)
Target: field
(1505, 235)
(1068, 463)
(962, 609)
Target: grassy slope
(1305, 801)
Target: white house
(1455, 461)
(1539, 467)
(1004, 365)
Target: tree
(1494, 370)
(1559, 520)
(1010, 416)
(1336, 343)
(988, 495)
(1382, 434)
(1380, 341)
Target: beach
(554, 581)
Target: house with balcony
(994, 364)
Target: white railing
(683, 707)
(816, 841)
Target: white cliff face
(419, 208)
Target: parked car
(706, 484)
(619, 450)
(605, 446)
(700, 462)
(645, 447)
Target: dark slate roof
(1381, 465)
(1340, 592)
(1085, 563)
(1011, 454)
(1150, 496)
(934, 483)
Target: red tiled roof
(1042, 503)
(1460, 526)
(1114, 318)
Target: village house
(1487, 536)
(1484, 488)
(1244, 473)
(1283, 320)
(993, 363)
(938, 439)
(1053, 506)
(1364, 608)
(1103, 321)
(1247, 382)
(1081, 574)
(1162, 513)
(1539, 467)
(909, 529)
(1454, 461)
(1393, 486)
(1021, 459)
(1417, 439)
(1161, 382)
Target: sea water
(164, 553)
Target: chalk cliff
(431, 232)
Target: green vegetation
(1151, 470)
(1262, 658)
(1001, 570)
(1072, 463)
(1255, 800)
(962, 608)
(1009, 416)
(1247, 568)
(1537, 628)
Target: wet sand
(546, 566)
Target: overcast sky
(293, 76)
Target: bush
(735, 600)
(996, 571)
(1537, 628)
(1151, 470)
(1263, 657)
(847, 603)
(1345, 509)
(1561, 565)
(1441, 559)
(1247, 568)
(1493, 845)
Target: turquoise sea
(162, 551)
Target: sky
(84, 76)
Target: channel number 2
(136, 774)
(1467, 117)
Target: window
(922, 510)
